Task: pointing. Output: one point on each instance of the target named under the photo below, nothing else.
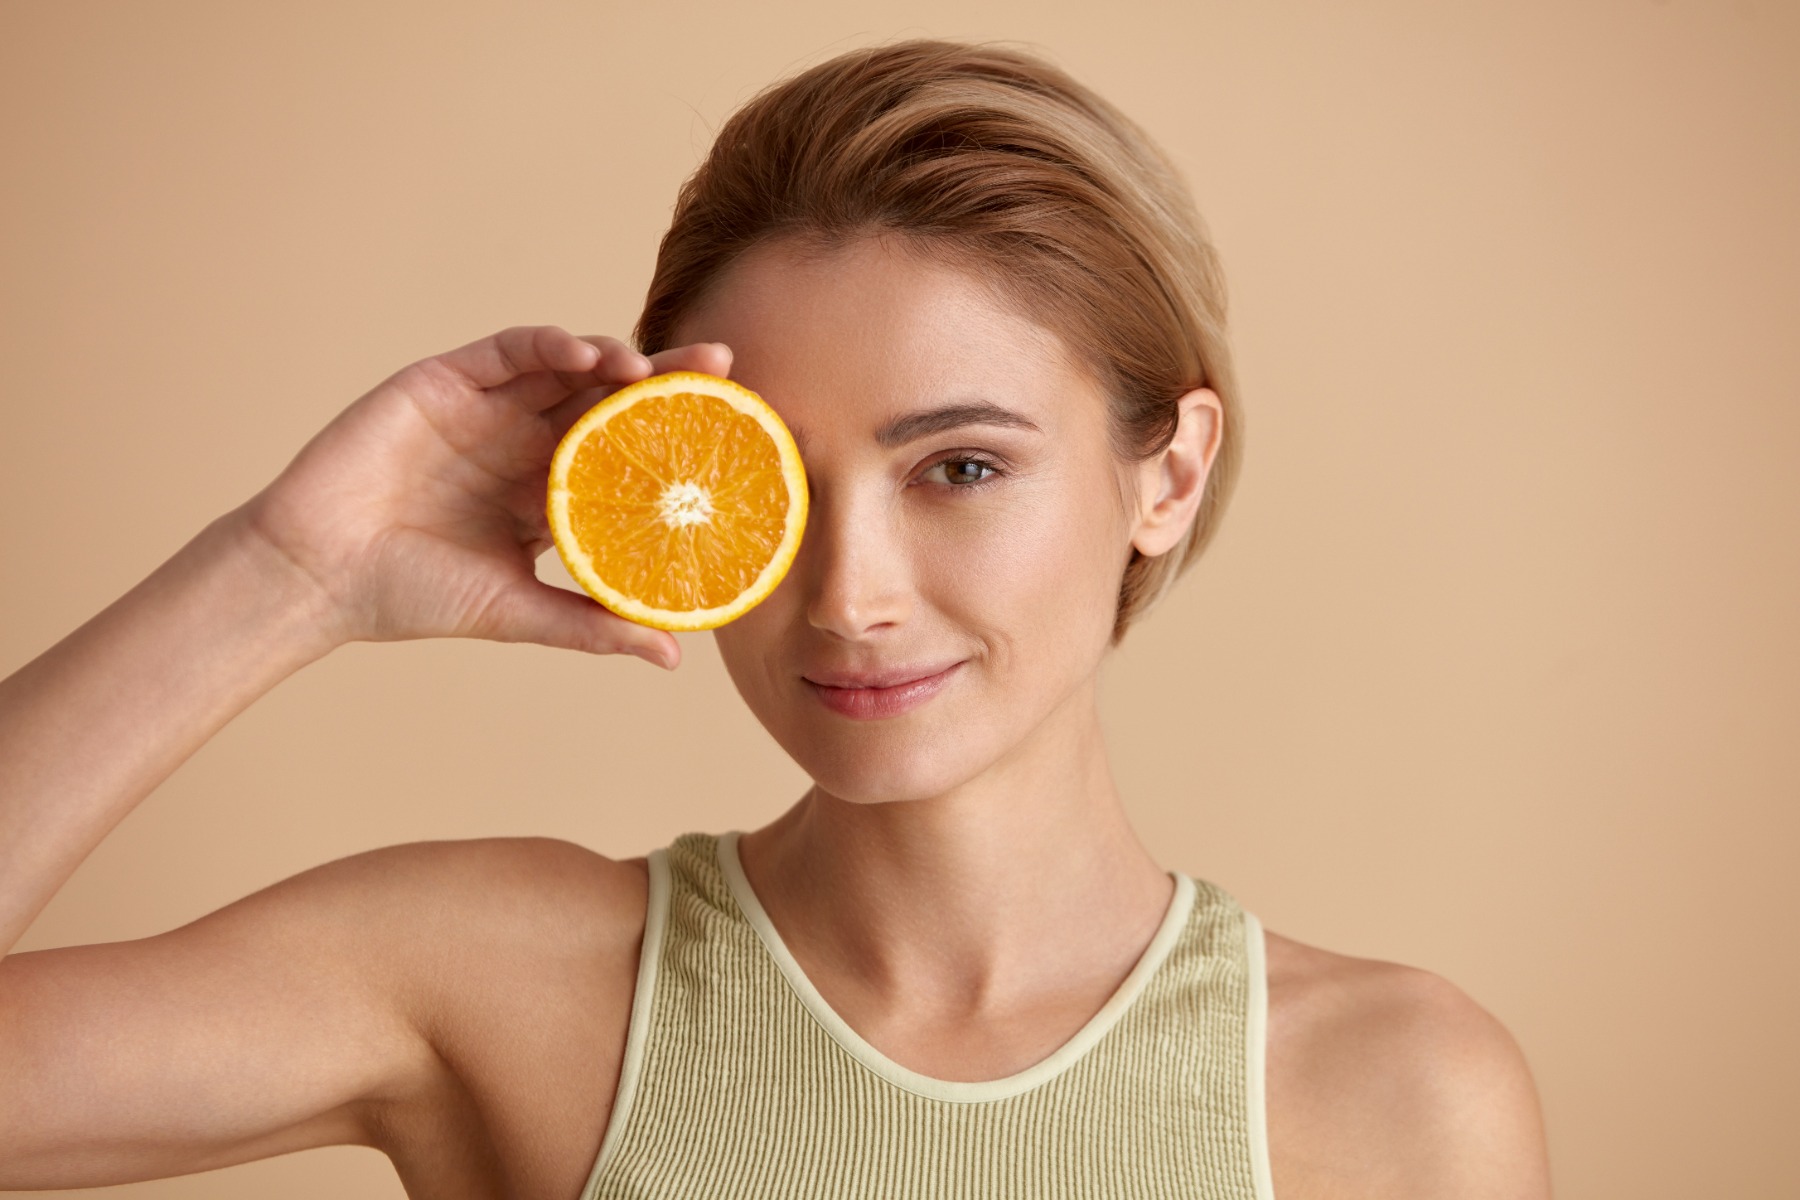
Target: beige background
(1494, 667)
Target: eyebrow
(926, 422)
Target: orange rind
(678, 501)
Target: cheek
(750, 646)
(1042, 563)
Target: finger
(548, 615)
(618, 364)
(565, 413)
(520, 350)
(620, 353)
(712, 358)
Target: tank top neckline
(1162, 943)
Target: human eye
(963, 471)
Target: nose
(855, 568)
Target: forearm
(93, 725)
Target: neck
(977, 898)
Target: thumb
(548, 615)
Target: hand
(419, 511)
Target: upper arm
(247, 1033)
(1389, 1081)
(282, 1021)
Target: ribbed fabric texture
(734, 1087)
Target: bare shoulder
(456, 897)
(524, 885)
(428, 999)
(486, 913)
(515, 959)
(1387, 1080)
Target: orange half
(678, 501)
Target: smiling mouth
(860, 700)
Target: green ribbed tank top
(740, 1081)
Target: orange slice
(678, 501)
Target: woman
(983, 303)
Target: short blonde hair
(1004, 164)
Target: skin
(462, 1006)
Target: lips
(871, 695)
(886, 677)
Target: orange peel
(678, 501)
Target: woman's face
(955, 589)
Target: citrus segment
(678, 501)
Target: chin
(880, 764)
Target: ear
(1170, 483)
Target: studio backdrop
(1493, 667)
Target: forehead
(846, 338)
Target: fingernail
(651, 655)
